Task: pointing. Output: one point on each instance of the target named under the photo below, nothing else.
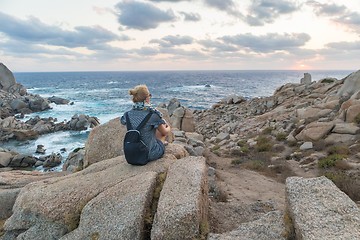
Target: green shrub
(216, 147)
(327, 80)
(281, 136)
(268, 130)
(78, 149)
(242, 142)
(262, 140)
(292, 143)
(237, 161)
(357, 119)
(264, 147)
(256, 165)
(245, 149)
(330, 161)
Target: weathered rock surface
(180, 213)
(315, 131)
(173, 104)
(306, 79)
(177, 150)
(351, 85)
(19, 178)
(187, 123)
(58, 100)
(118, 212)
(48, 209)
(7, 200)
(269, 227)
(105, 142)
(52, 160)
(319, 210)
(75, 161)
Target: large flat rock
(315, 131)
(43, 208)
(269, 227)
(18, 178)
(319, 210)
(183, 203)
(117, 213)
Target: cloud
(20, 48)
(348, 46)
(33, 30)
(217, 46)
(224, 5)
(142, 16)
(338, 13)
(191, 17)
(327, 9)
(268, 43)
(266, 11)
(168, 0)
(171, 41)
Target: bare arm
(164, 129)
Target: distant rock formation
(181, 117)
(14, 97)
(306, 79)
(11, 128)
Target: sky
(138, 35)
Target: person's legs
(160, 136)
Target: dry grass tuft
(348, 184)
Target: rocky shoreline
(303, 139)
(15, 102)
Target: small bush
(95, 236)
(242, 142)
(78, 149)
(255, 165)
(289, 231)
(245, 149)
(292, 143)
(220, 195)
(2, 231)
(265, 147)
(237, 161)
(357, 119)
(216, 147)
(204, 230)
(330, 161)
(338, 150)
(347, 184)
(262, 140)
(281, 136)
(279, 148)
(267, 130)
(327, 80)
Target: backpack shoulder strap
(128, 123)
(143, 122)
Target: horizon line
(199, 70)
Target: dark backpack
(136, 151)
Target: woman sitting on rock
(152, 133)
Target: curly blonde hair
(139, 93)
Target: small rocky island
(281, 167)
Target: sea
(105, 95)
